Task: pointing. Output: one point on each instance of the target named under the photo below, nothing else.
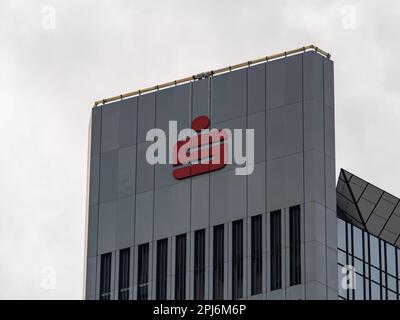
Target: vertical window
(276, 272)
(143, 272)
(161, 282)
(180, 267)
(256, 255)
(341, 234)
(199, 264)
(358, 242)
(391, 259)
(294, 245)
(123, 281)
(218, 263)
(105, 276)
(237, 259)
(374, 251)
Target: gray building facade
(269, 235)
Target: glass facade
(199, 264)
(105, 276)
(294, 245)
(124, 267)
(256, 254)
(237, 259)
(180, 267)
(276, 255)
(143, 272)
(218, 264)
(161, 277)
(368, 267)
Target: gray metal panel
(109, 176)
(256, 89)
(124, 223)
(106, 239)
(330, 175)
(315, 262)
(313, 76)
(94, 179)
(92, 231)
(172, 210)
(200, 202)
(316, 291)
(144, 218)
(284, 81)
(145, 171)
(227, 197)
(91, 265)
(110, 127)
(164, 176)
(257, 122)
(256, 190)
(331, 233)
(330, 132)
(228, 96)
(315, 222)
(329, 93)
(285, 182)
(201, 98)
(173, 104)
(126, 171)
(331, 272)
(146, 115)
(314, 126)
(284, 131)
(95, 138)
(128, 122)
(314, 177)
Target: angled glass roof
(368, 207)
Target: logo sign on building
(198, 150)
(201, 153)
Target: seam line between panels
(98, 204)
(304, 195)
(324, 157)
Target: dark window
(237, 259)
(294, 245)
(123, 281)
(199, 264)
(276, 273)
(143, 272)
(105, 276)
(180, 267)
(218, 263)
(256, 254)
(161, 282)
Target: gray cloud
(49, 80)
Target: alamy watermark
(200, 149)
(348, 277)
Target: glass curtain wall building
(368, 238)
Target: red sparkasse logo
(202, 153)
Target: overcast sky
(58, 57)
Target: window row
(219, 271)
